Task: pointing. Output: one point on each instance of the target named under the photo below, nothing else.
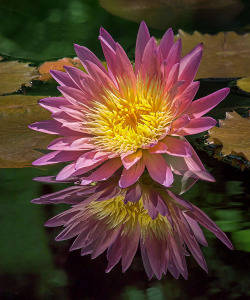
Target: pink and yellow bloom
(104, 216)
(129, 117)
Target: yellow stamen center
(130, 118)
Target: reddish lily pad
(56, 65)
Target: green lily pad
(18, 143)
(14, 74)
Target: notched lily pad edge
(214, 151)
(236, 89)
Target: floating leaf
(18, 142)
(161, 14)
(233, 134)
(225, 55)
(244, 84)
(56, 65)
(14, 74)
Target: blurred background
(34, 266)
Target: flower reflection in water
(104, 216)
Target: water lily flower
(129, 117)
(104, 216)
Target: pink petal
(124, 66)
(145, 260)
(131, 175)
(66, 171)
(63, 78)
(195, 250)
(68, 121)
(166, 43)
(179, 123)
(92, 90)
(187, 57)
(53, 103)
(188, 166)
(151, 202)
(73, 111)
(71, 143)
(57, 157)
(150, 61)
(129, 160)
(104, 172)
(72, 95)
(115, 252)
(105, 241)
(162, 208)
(106, 36)
(180, 200)
(75, 75)
(197, 126)
(196, 230)
(205, 221)
(173, 76)
(52, 127)
(158, 148)
(90, 158)
(174, 91)
(98, 75)
(133, 194)
(200, 107)
(143, 37)
(158, 168)
(61, 219)
(183, 183)
(173, 57)
(177, 147)
(183, 100)
(155, 250)
(81, 143)
(85, 54)
(88, 168)
(130, 247)
(190, 70)
(110, 56)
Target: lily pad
(225, 55)
(233, 134)
(18, 143)
(244, 84)
(14, 74)
(56, 65)
(161, 14)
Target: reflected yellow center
(115, 213)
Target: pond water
(33, 265)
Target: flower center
(130, 117)
(115, 214)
